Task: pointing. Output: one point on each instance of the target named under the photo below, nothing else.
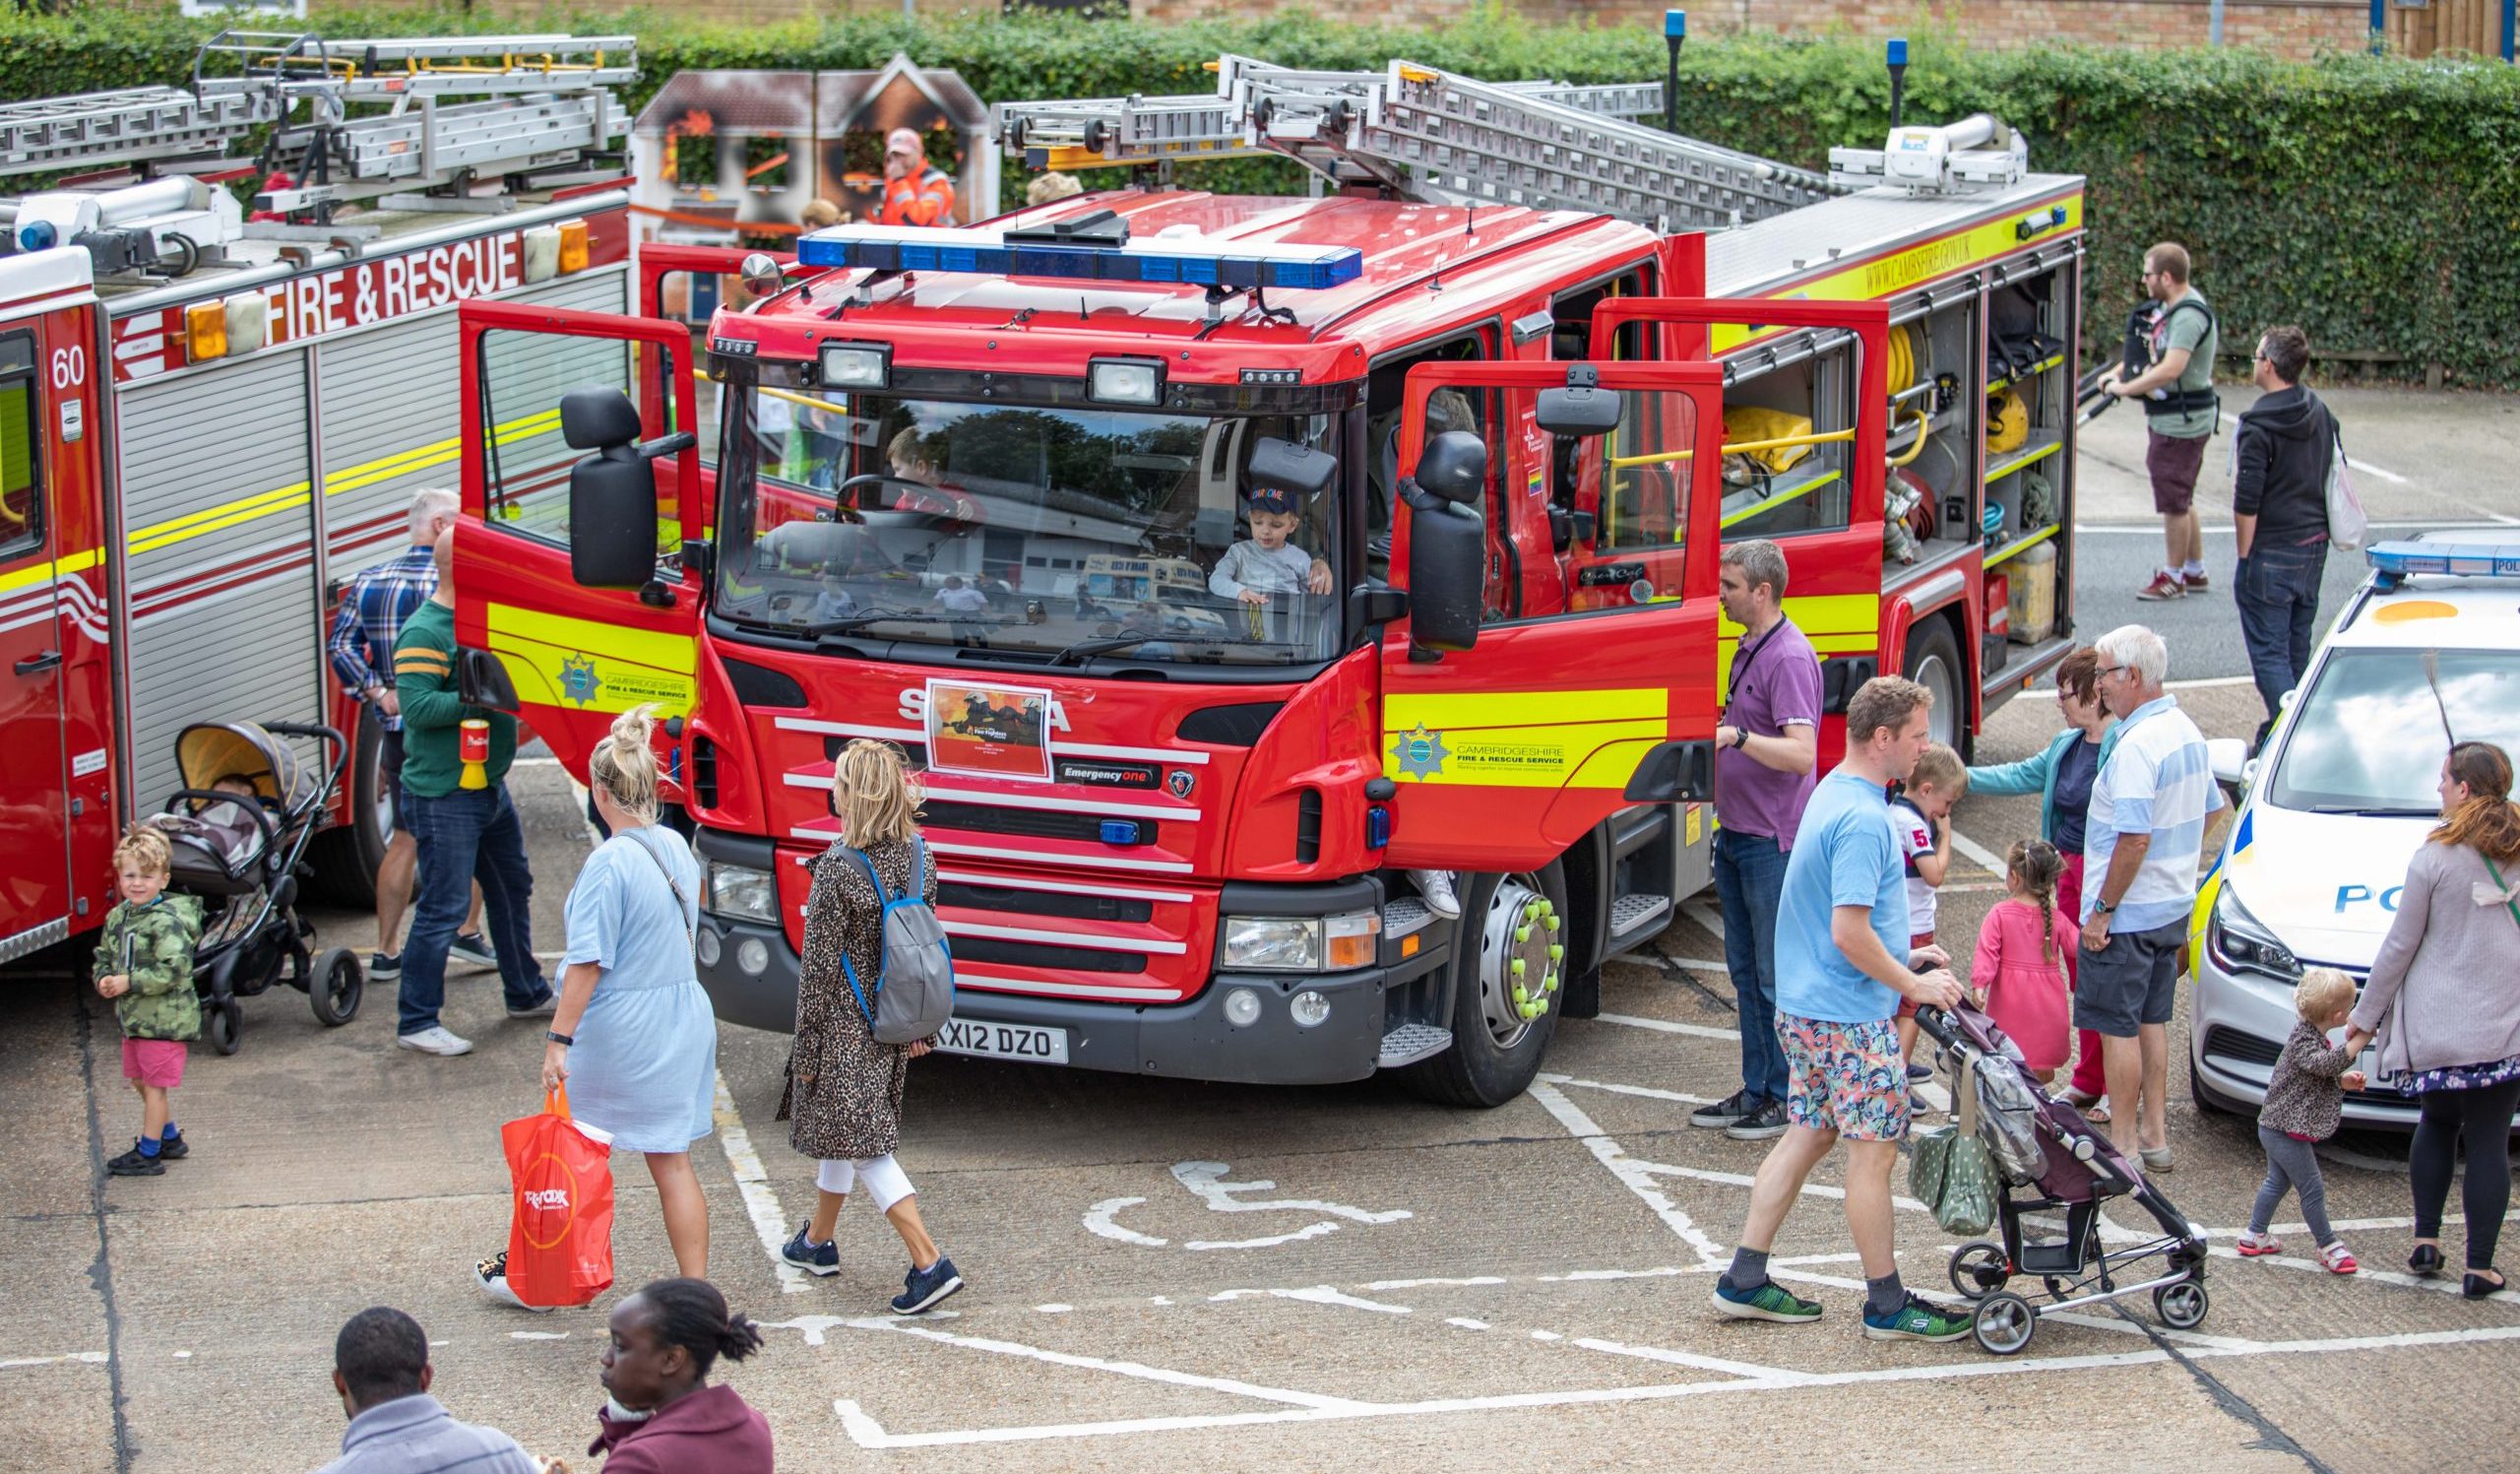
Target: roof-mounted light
(2398, 561)
(857, 366)
(1192, 260)
(1125, 381)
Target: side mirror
(1447, 544)
(1840, 676)
(1579, 409)
(612, 494)
(481, 679)
(2227, 758)
(1297, 470)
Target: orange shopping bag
(560, 1240)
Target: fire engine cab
(211, 417)
(1221, 559)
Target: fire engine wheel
(1508, 977)
(1934, 662)
(345, 857)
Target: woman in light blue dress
(635, 1039)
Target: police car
(2335, 806)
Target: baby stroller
(2048, 1157)
(237, 830)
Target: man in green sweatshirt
(465, 834)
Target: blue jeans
(471, 834)
(2276, 592)
(1749, 877)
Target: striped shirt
(2156, 782)
(374, 609)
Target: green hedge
(2375, 202)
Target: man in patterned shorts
(1842, 965)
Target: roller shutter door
(392, 407)
(225, 614)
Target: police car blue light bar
(1170, 260)
(2399, 560)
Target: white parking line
(761, 1204)
(2386, 476)
(1665, 1026)
(1645, 1092)
(1137, 1370)
(1627, 1168)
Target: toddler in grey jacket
(2304, 1105)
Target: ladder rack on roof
(135, 124)
(1423, 133)
(390, 70)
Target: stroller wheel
(2181, 1306)
(335, 985)
(226, 1025)
(1978, 1268)
(2005, 1323)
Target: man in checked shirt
(373, 610)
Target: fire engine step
(1633, 917)
(1402, 916)
(1411, 1043)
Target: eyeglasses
(2106, 672)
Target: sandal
(2256, 1245)
(2097, 1111)
(2426, 1262)
(2339, 1260)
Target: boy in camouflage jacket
(145, 964)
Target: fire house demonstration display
(1334, 538)
(209, 423)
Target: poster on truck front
(989, 730)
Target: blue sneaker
(472, 948)
(921, 1289)
(1769, 1302)
(811, 1257)
(1916, 1321)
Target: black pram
(236, 832)
(2048, 1157)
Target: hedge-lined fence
(2373, 201)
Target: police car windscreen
(2368, 736)
(1014, 527)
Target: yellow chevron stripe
(47, 572)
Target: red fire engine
(985, 493)
(209, 423)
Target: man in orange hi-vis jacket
(914, 193)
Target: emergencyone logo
(548, 1199)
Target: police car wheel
(2208, 1102)
(1501, 944)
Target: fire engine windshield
(1077, 531)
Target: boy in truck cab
(1268, 561)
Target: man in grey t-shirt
(381, 1369)
(2180, 413)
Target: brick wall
(2289, 28)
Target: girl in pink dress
(2018, 973)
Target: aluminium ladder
(1427, 134)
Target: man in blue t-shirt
(1842, 965)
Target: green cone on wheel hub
(1523, 932)
(1553, 922)
(1548, 984)
(1532, 910)
(1557, 952)
(1516, 968)
(1522, 994)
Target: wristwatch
(1740, 738)
(2103, 908)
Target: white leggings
(886, 1183)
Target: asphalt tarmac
(1169, 1274)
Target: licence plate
(1041, 1046)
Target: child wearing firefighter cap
(1268, 561)
(145, 964)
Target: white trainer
(435, 1039)
(1435, 888)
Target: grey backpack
(913, 992)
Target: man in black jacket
(2286, 443)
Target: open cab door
(582, 481)
(1826, 511)
(1509, 735)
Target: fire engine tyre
(335, 986)
(1934, 662)
(1507, 922)
(345, 857)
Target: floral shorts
(1846, 1078)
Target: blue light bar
(2395, 562)
(1192, 262)
(1898, 50)
(1675, 22)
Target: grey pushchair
(2050, 1159)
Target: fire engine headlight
(740, 891)
(1309, 1010)
(1273, 943)
(857, 366)
(1124, 381)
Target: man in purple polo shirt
(1766, 752)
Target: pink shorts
(154, 1062)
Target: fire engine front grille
(1033, 823)
(975, 897)
(975, 949)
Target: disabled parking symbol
(1207, 1180)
